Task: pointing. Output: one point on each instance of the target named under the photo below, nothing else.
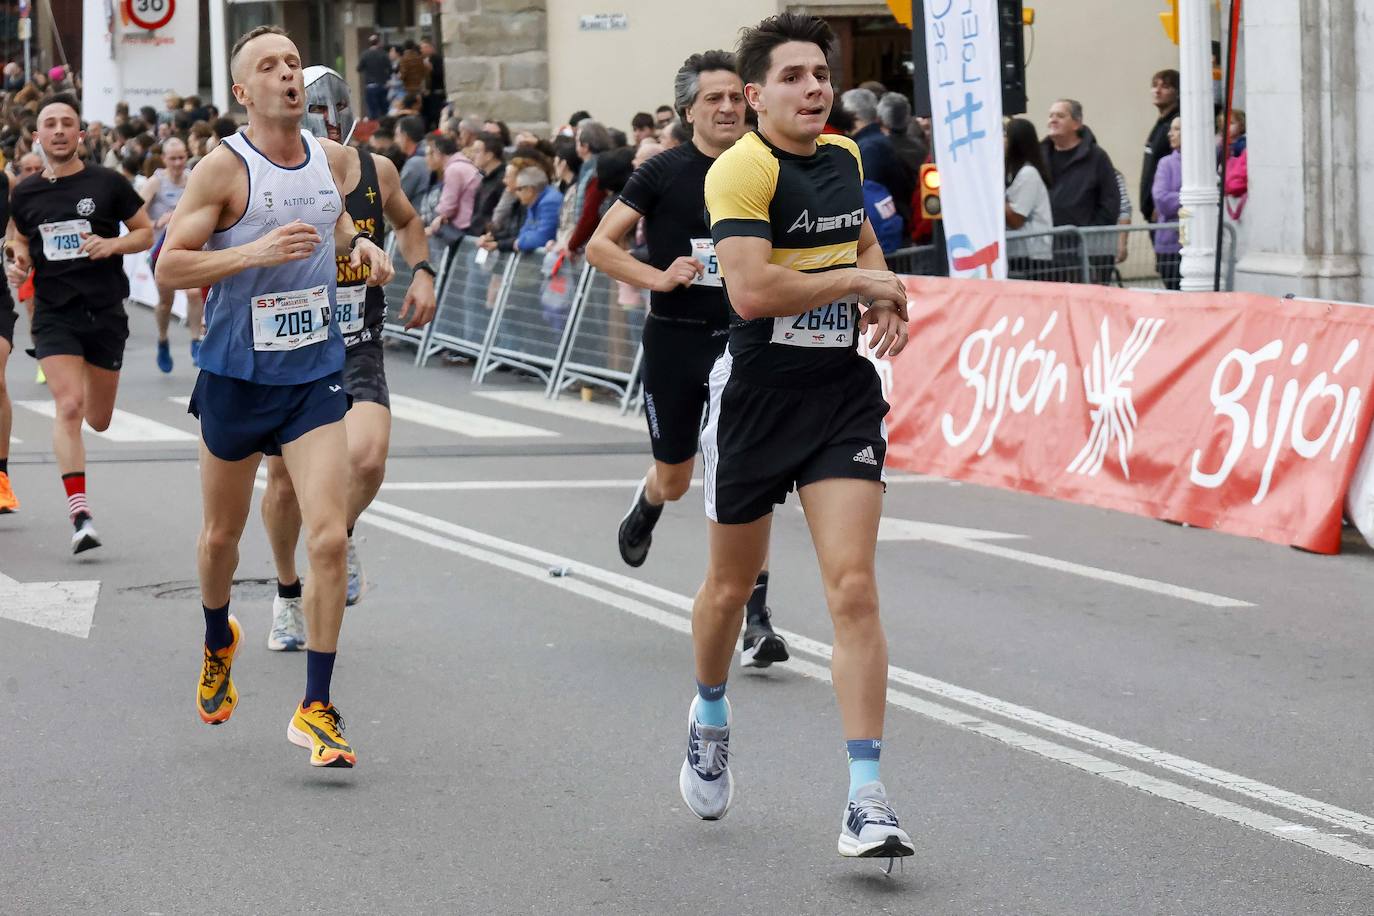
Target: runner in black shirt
(68, 216)
(688, 320)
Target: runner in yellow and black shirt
(794, 406)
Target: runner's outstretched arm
(208, 201)
(608, 257)
(343, 163)
(412, 242)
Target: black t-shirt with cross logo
(364, 204)
(56, 216)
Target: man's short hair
(1075, 108)
(249, 36)
(224, 127)
(492, 144)
(669, 108)
(444, 144)
(532, 177)
(470, 124)
(894, 110)
(1167, 77)
(641, 121)
(593, 135)
(681, 130)
(862, 104)
(755, 52)
(413, 127)
(687, 83)
(374, 40)
(62, 98)
(578, 117)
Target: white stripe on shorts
(710, 447)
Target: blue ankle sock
(217, 633)
(319, 668)
(711, 704)
(863, 762)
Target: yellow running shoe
(216, 697)
(321, 729)
(8, 503)
(40, 378)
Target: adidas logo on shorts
(866, 456)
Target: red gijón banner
(1231, 411)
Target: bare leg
(317, 463)
(281, 516)
(667, 483)
(843, 516)
(369, 438)
(195, 314)
(163, 312)
(737, 552)
(226, 489)
(102, 385)
(6, 408)
(67, 382)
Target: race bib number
(291, 320)
(704, 250)
(350, 309)
(62, 240)
(831, 325)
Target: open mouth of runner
(293, 96)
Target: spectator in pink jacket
(1167, 185)
(461, 178)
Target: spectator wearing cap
(374, 68)
(541, 203)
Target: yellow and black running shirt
(811, 208)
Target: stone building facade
(496, 59)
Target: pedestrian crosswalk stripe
(461, 421)
(124, 426)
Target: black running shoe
(637, 529)
(762, 647)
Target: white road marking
(571, 408)
(65, 607)
(124, 426)
(897, 529)
(460, 421)
(422, 486)
(475, 544)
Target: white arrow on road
(973, 539)
(67, 607)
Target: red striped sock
(75, 483)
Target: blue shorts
(239, 419)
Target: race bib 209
(291, 320)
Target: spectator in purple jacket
(1165, 190)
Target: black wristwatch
(353, 242)
(424, 265)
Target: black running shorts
(678, 357)
(8, 316)
(364, 373)
(96, 332)
(240, 418)
(760, 442)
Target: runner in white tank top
(163, 192)
(271, 380)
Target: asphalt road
(1090, 712)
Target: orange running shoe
(8, 502)
(320, 728)
(216, 697)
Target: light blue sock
(711, 704)
(863, 762)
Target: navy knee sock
(217, 633)
(319, 669)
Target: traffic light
(1169, 19)
(1011, 19)
(930, 191)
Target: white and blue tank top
(274, 325)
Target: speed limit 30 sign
(150, 14)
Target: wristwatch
(353, 242)
(424, 265)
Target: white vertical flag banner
(962, 47)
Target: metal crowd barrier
(393, 328)
(1121, 256)
(603, 342)
(467, 301)
(530, 325)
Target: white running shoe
(84, 537)
(869, 828)
(288, 625)
(357, 582)
(705, 781)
